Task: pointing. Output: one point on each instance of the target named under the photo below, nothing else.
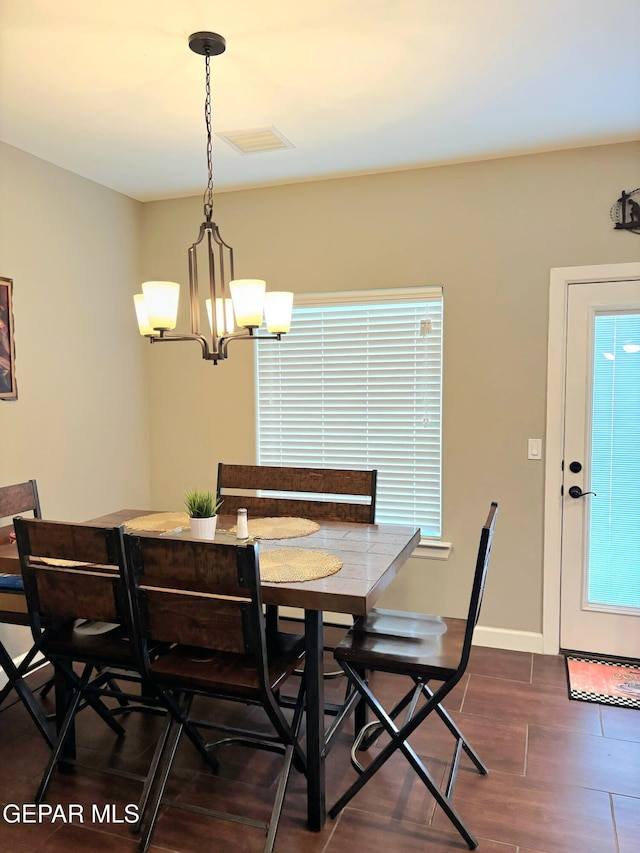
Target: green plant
(201, 504)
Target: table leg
(316, 804)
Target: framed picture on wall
(8, 387)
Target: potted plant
(202, 508)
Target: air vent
(255, 141)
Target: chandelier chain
(208, 193)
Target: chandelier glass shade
(161, 302)
(224, 316)
(278, 307)
(242, 303)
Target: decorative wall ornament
(625, 213)
(8, 387)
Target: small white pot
(203, 528)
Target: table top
(372, 555)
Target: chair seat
(9, 583)
(404, 643)
(228, 673)
(10, 617)
(67, 642)
(14, 608)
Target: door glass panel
(614, 531)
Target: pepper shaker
(242, 525)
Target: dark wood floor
(564, 778)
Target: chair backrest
(19, 498)
(202, 594)
(479, 580)
(247, 479)
(71, 571)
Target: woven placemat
(290, 565)
(279, 528)
(51, 561)
(158, 522)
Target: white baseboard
(494, 638)
(17, 661)
(508, 638)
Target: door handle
(576, 492)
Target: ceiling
(112, 92)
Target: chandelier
(230, 302)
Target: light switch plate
(535, 448)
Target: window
(357, 383)
(614, 546)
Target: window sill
(432, 549)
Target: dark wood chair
(15, 500)
(423, 648)
(204, 597)
(80, 613)
(238, 484)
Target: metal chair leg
(173, 740)
(398, 742)
(180, 715)
(16, 682)
(92, 701)
(57, 752)
(158, 754)
(455, 731)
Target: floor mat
(605, 681)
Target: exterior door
(600, 554)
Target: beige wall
(98, 432)
(489, 232)
(80, 424)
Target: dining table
(370, 556)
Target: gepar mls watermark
(70, 813)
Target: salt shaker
(242, 525)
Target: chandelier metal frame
(218, 253)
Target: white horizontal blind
(359, 385)
(614, 530)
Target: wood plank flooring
(564, 778)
